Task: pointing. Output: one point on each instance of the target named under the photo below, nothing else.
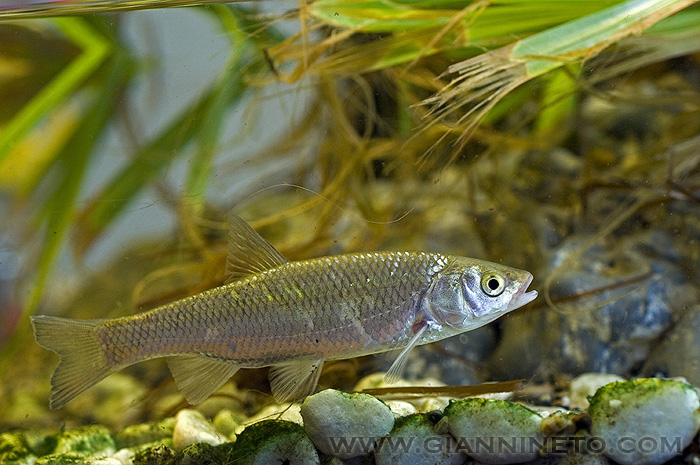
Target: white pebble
(191, 427)
(124, 456)
(345, 425)
(586, 385)
(400, 408)
(495, 431)
(645, 421)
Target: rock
(400, 408)
(191, 428)
(94, 440)
(494, 431)
(16, 448)
(227, 422)
(422, 404)
(200, 454)
(286, 411)
(584, 459)
(128, 455)
(585, 385)
(413, 441)
(144, 433)
(620, 300)
(273, 441)
(678, 354)
(570, 459)
(158, 454)
(75, 459)
(345, 425)
(646, 421)
(558, 423)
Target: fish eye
(493, 284)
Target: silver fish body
(288, 315)
(332, 307)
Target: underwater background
(520, 132)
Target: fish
(290, 316)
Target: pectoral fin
(199, 377)
(397, 368)
(248, 252)
(295, 379)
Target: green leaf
(58, 212)
(95, 49)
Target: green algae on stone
(156, 455)
(274, 441)
(74, 459)
(14, 448)
(284, 411)
(495, 431)
(22, 446)
(203, 454)
(93, 440)
(144, 433)
(128, 453)
(645, 421)
(413, 440)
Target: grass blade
(57, 213)
(483, 81)
(95, 50)
(90, 7)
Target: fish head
(468, 293)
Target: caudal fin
(82, 361)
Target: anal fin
(198, 377)
(295, 379)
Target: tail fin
(82, 361)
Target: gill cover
(445, 300)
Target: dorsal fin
(248, 251)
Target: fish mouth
(521, 297)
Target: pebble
(569, 459)
(94, 440)
(413, 441)
(678, 354)
(227, 422)
(144, 433)
(585, 385)
(400, 408)
(273, 441)
(345, 425)
(191, 427)
(126, 455)
(286, 411)
(494, 431)
(423, 404)
(611, 331)
(646, 421)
